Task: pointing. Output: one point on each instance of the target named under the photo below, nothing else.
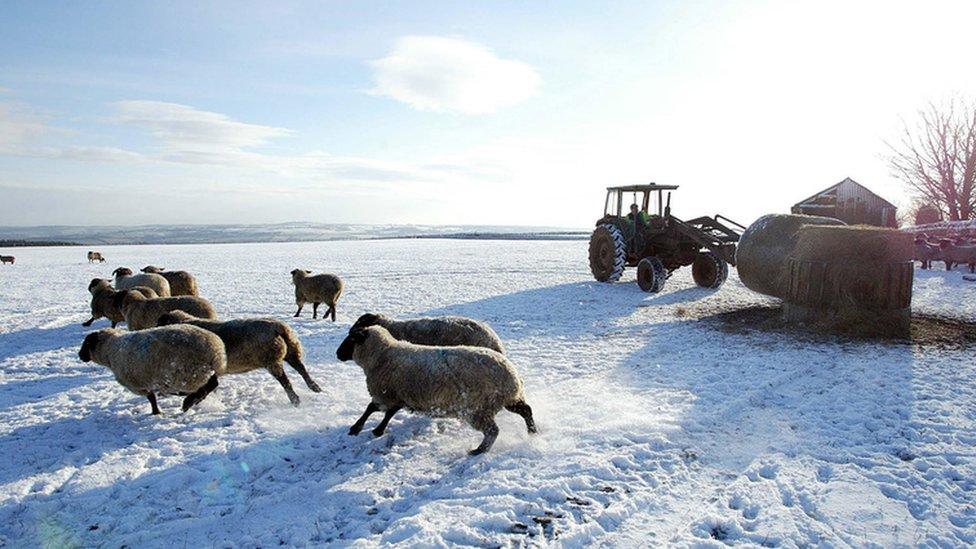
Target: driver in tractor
(638, 216)
(640, 220)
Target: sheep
(958, 254)
(322, 288)
(4, 259)
(926, 251)
(95, 256)
(448, 331)
(124, 279)
(469, 383)
(141, 313)
(104, 303)
(252, 344)
(180, 282)
(183, 360)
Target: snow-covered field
(656, 427)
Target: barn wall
(855, 205)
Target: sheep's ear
(308, 272)
(358, 335)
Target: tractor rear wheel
(608, 253)
(708, 270)
(651, 274)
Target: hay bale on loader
(855, 280)
(765, 247)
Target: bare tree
(937, 158)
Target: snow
(657, 425)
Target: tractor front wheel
(651, 274)
(608, 253)
(709, 271)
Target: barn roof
(832, 187)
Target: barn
(850, 202)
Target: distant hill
(65, 235)
(25, 243)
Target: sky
(494, 113)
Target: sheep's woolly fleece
(656, 427)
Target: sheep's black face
(348, 345)
(368, 319)
(122, 271)
(91, 341)
(94, 282)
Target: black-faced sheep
(124, 280)
(926, 252)
(4, 259)
(254, 344)
(182, 360)
(469, 383)
(315, 289)
(448, 331)
(105, 304)
(141, 313)
(180, 282)
(95, 256)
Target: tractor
(657, 242)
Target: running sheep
(448, 331)
(180, 282)
(141, 313)
(125, 280)
(468, 383)
(95, 256)
(315, 289)
(104, 302)
(253, 344)
(181, 360)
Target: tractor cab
(650, 199)
(653, 203)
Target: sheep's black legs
(358, 426)
(524, 410)
(331, 311)
(299, 311)
(89, 322)
(381, 428)
(300, 368)
(485, 422)
(196, 397)
(152, 402)
(315, 310)
(279, 373)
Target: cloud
(450, 75)
(183, 129)
(18, 127)
(184, 135)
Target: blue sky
(453, 113)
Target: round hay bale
(854, 280)
(765, 247)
